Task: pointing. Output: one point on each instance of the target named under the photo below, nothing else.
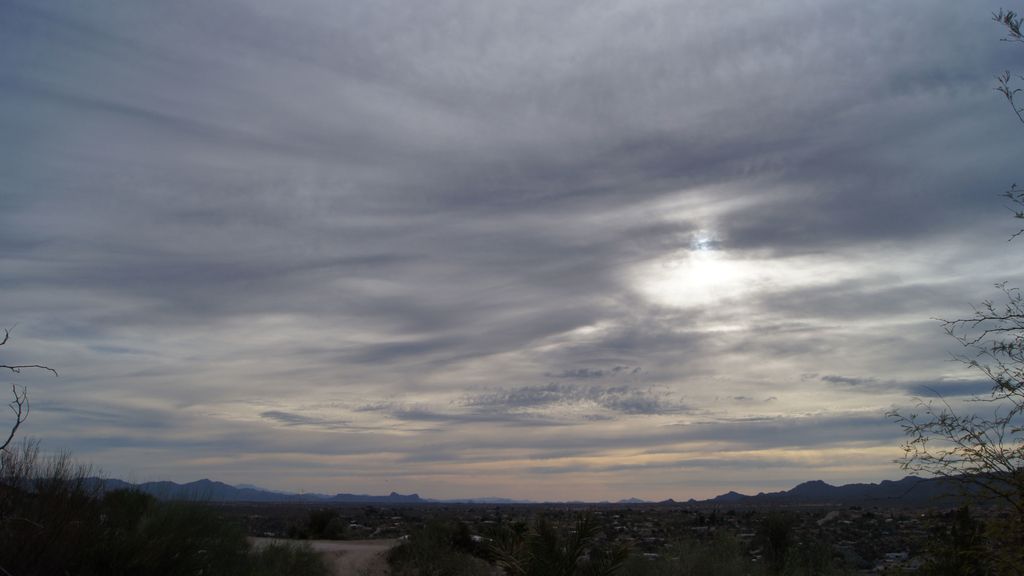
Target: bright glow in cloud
(386, 243)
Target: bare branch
(984, 454)
(17, 368)
(20, 407)
(1010, 93)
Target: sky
(552, 250)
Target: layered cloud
(629, 248)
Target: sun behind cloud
(705, 275)
(709, 274)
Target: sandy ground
(348, 557)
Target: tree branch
(20, 407)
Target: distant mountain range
(213, 491)
(910, 491)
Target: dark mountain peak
(905, 481)
(730, 496)
(811, 488)
(909, 490)
(814, 484)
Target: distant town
(860, 528)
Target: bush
(721, 555)
(436, 549)
(53, 520)
(173, 538)
(277, 559)
(48, 513)
(325, 524)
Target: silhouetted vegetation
(549, 550)
(279, 558)
(676, 539)
(438, 548)
(981, 445)
(518, 549)
(776, 539)
(585, 544)
(53, 521)
(19, 406)
(721, 554)
(320, 524)
(957, 546)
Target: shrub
(53, 520)
(435, 549)
(48, 513)
(278, 558)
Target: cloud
(425, 413)
(847, 380)
(293, 419)
(374, 229)
(948, 389)
(621, 399)
(586, 373)
(828, 429)
(937, 388)
(553, 404)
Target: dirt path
(348, 557)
